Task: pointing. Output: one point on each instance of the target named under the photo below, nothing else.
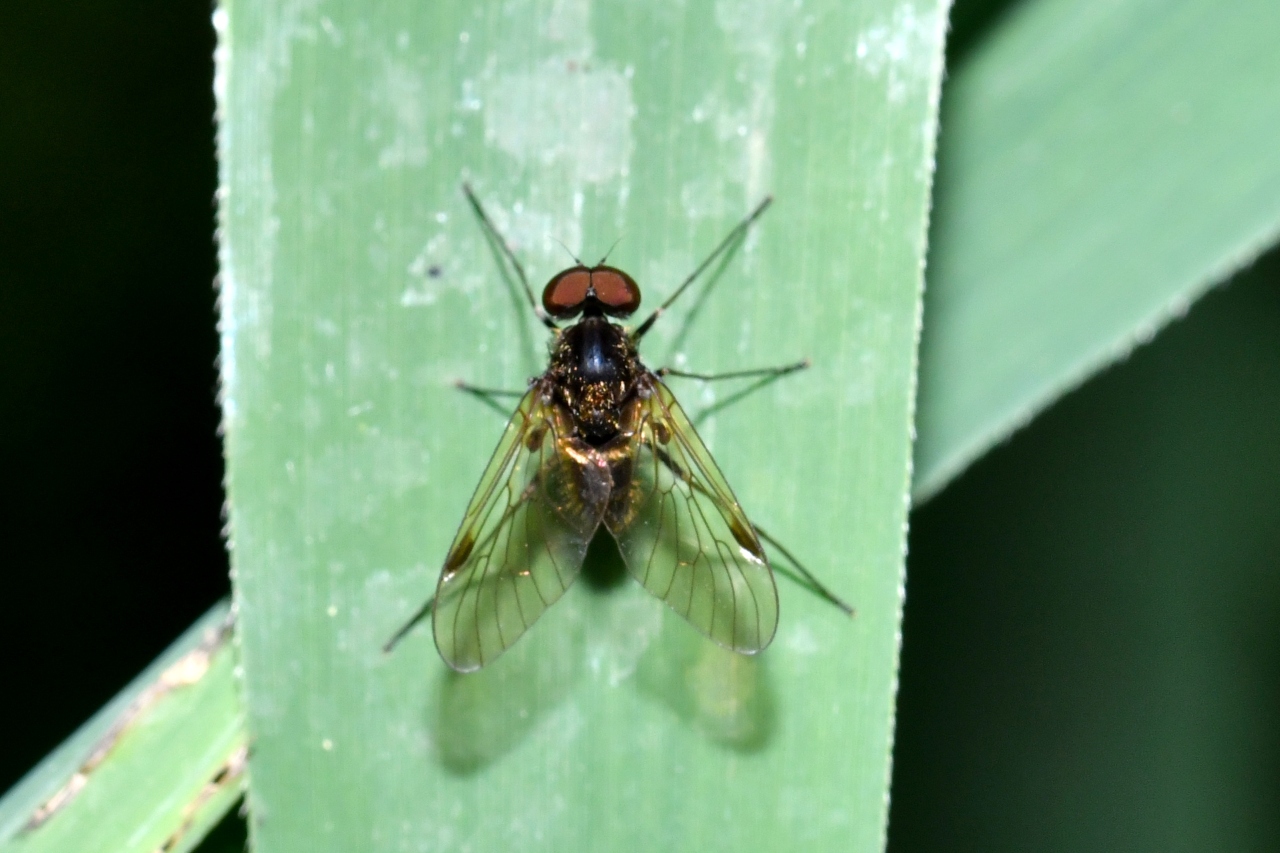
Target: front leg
(487, 395)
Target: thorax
(593, 369)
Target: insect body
(599, 440)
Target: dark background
(1092, 636)
(110, 521)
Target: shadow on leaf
(481, 716)
(724, 695)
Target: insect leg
(796, 572)
(783, 370)
(497, 241)
(417, 617)
(486, 395)
(800, 575)
(732, 237)
(463, 385)
(767, 375)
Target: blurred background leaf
(1090, 658)
(1092, 652)
(1101, 164)
(152, 770)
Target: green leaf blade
(358, 287)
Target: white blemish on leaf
(354, 483)
(861, 375)
(759, 33)
(568, 25)
(401, 92)
(252, 76)
(801, 640)
(890, 50)
(614, 648)
(563, 114)
(332, 30)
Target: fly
(599, 440)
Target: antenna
(576, 259)
(608, 253)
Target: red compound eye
(564, 294)
(616, 290)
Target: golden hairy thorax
(594, 368)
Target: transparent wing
(521, 542)
(682, 533)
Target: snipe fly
(599, 439)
